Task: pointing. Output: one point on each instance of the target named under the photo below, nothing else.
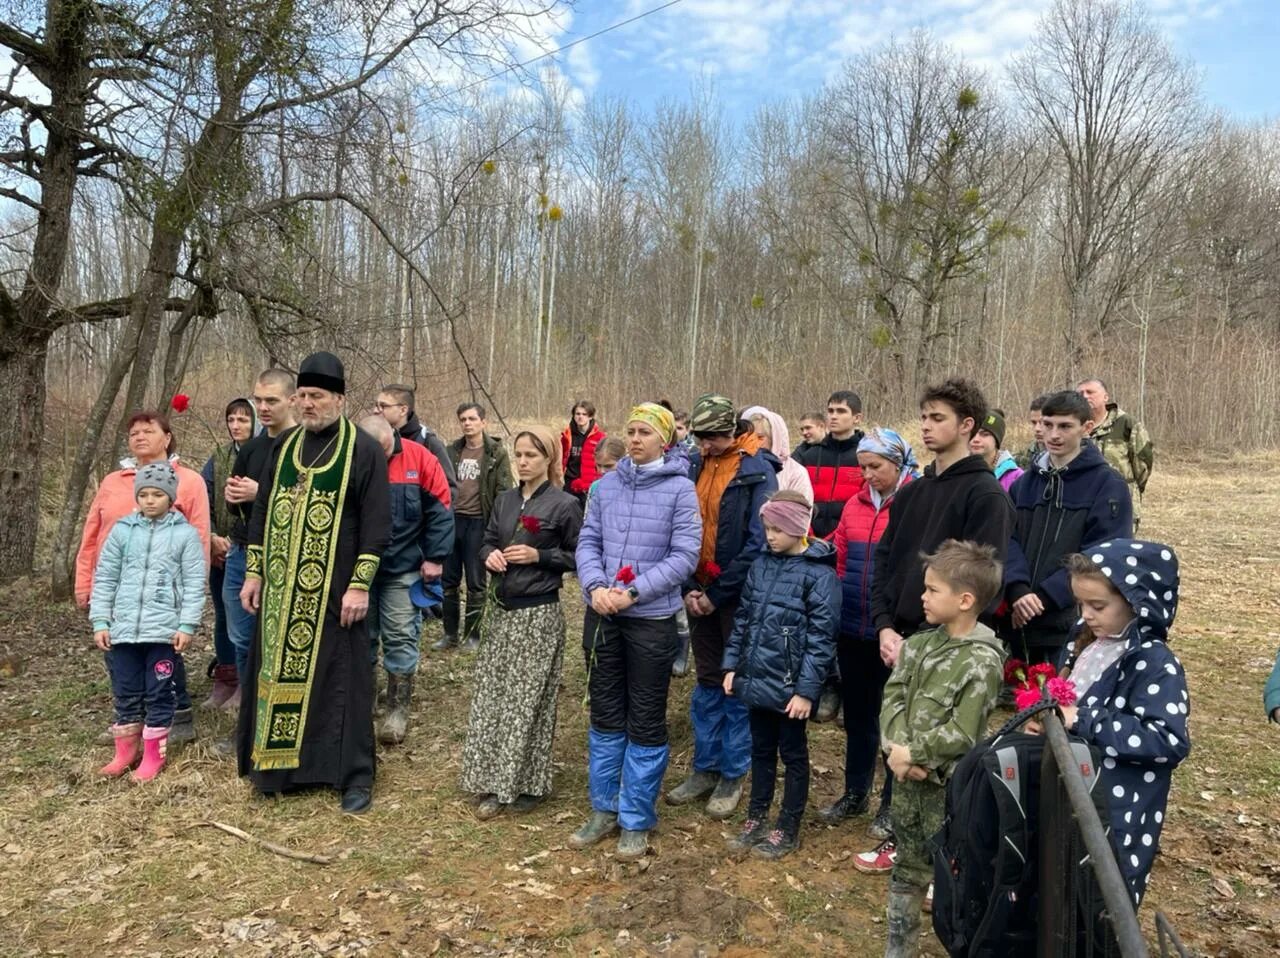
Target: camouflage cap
(713, 414)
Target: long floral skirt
(513, 703)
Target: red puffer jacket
(588, 473)
(860, 528)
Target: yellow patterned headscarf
(659, 417)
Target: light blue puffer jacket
(149, 582)
(647, 519)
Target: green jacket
(1025, 458)
(940, 695)
(1128, 450)
(495, 471)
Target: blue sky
(756, 50)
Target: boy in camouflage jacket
(936, 706)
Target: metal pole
(1114, 891)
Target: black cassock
(337, 747)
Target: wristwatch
(634, 593)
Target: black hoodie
(966, 502)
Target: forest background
(194, 190)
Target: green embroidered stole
(299, 551)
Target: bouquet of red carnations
(1031, 683)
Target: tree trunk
(22, 393)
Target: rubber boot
(680, 667)
(183, 729)
(471, 632)
(225, 684)
(451, 612)
(904, 920)
(128, 739)
(154, 741)
(399, 698)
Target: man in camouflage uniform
(1123, 441)
(936, 706)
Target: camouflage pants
(918, 809)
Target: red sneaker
(877, 861)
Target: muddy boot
(724, 800)
(848, 805)
(633, 845)
(128, 741)
(184, 727)
(680, 667)
(828, 705)
(904, 920)
(595, 829)
(232, 705)
(697, 785)
(399, 698)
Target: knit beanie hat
(156, 475)
(993, 422)
(713, 415)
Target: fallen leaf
(1223, 888)
(794, 882)
(538, 856)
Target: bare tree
(1122, 113)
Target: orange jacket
(114, 500)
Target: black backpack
(986, 868)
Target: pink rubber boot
(153, 746)
(128, 739)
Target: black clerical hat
(323, 371)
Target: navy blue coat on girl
(1136, 711)
(784, 632)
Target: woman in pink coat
(772, 428)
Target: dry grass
(90, 867)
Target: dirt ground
(89, 867)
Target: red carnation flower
(711, 571)
(1041, 673)
(1015, 672)
(626, 576)
(1062, 690)
(181, 402)
(1025, 698)
(531, 524)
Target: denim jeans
(394, 623)
(240, 624)
(142, 682)
(223, 650)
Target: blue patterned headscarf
(887, 444)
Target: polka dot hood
(1146, 573)
(1136, 712)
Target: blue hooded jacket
(648, 519)
(784, 631)
(1136, 712)
(149, 581)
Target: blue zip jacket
(784, 632)
(149, 581)
(647, 519)
(739, 529)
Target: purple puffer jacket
(647, 519)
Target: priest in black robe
(319, 524)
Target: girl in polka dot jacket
(1132, 693)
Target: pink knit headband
(790, 517)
